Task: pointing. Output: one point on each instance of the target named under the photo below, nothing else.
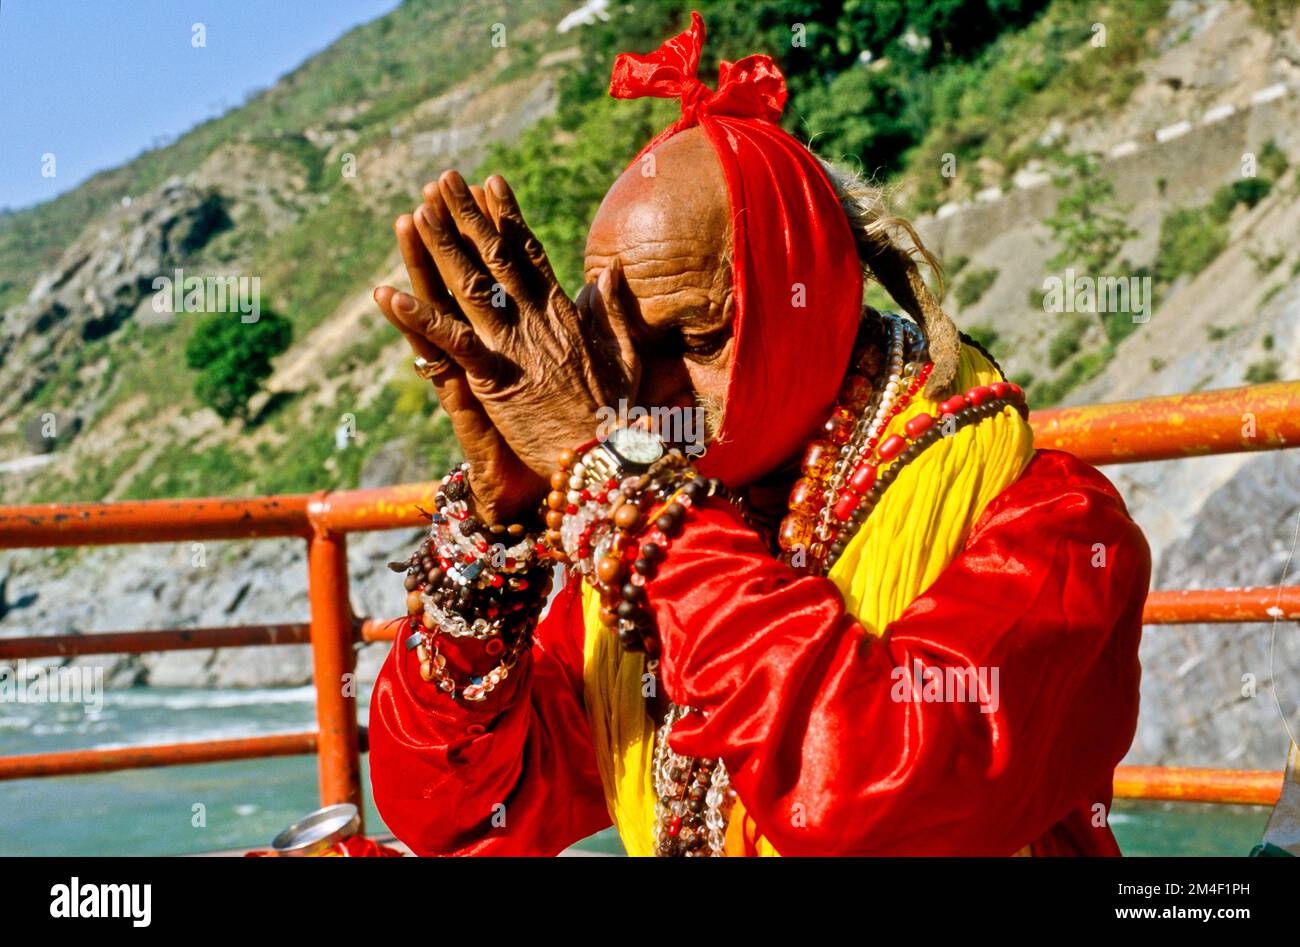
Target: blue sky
(95, 82)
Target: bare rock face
(101, 280)
(259, 187)
(1218, 695)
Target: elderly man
(869, 619)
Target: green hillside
(889, 88)
(370, 75)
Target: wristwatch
(625, 452)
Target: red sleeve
(806, 712)
(513, 775)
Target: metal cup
(319, 831)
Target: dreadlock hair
(893, 265)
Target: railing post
(334, 668)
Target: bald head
(667, 219)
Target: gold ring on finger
(427, 369)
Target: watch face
(636, 446)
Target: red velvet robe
(797, 698)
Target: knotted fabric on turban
(797, 279)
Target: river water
(244, 804)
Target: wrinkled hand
(503, 486)
(539, 364)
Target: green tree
(866, 114)
(233, 358)
(863, 117)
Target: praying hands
(520, 369)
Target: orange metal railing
(1260, 417)
(1226, 421)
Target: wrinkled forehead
(673, 198)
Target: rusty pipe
(142, 642)
(1187, 784)
(74, 762)
(1224, 421)
(151, 521)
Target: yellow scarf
(899, 551)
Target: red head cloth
(797, 279)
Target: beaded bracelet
(460, 584)
(433, 666)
